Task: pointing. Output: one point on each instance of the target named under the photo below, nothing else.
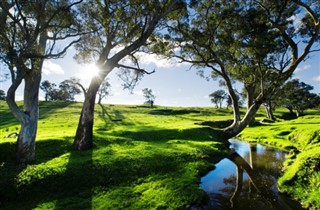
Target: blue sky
(174, 84)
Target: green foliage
(2, 95)
(296, 95)
(217, 97)
(67, 90)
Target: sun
(89, 71)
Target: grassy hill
(142, 158)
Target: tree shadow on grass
(77, 190)
(114, 116)
(8, 171)
(43, 182)
(69, 179)
(47, 108)
(156, 134)
(51, 148)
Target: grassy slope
(302, 138)
(151, 159)
(146, 161)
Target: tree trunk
(84, 135)
(27, 136)
(299, 111)
(290, 108)
(237, 125)
(26, 147)
(268, 107)
(28, 118)
(229, 131)
(250, 100)
(100, 99)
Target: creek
(247, 180)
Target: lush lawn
(142, 159)
(302, 138)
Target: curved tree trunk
(238, 125)
(250, 100)
(268, 107)
(28, 118)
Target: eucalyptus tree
(257, 43)
(31, 32)
(217, 97)
(149, 96)
(296, 95)
(47, 87)
(121, 28)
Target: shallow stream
(247, 180)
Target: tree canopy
(296, 95)
(256, 43)
(118, 30)
(217, 97)
(31, 32)
(149, 96)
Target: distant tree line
(293, 95)
(68, 89)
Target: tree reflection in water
(248, 180)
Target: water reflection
(247, 179)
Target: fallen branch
(12, 135)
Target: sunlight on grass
(142, 158)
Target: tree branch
(135, 69)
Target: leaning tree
(257, 43)
(121, 28)
(31, 32)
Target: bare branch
(135, 69)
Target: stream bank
(247, 179)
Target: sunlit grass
(143, 158)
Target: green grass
(144, 158)
(302, 168)
(151, 159)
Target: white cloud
(316, 78)
(297, 21)
(152, 59)
(138, 92)
(206, 97)
(157, 61)
(51, 68)
(303, 68)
